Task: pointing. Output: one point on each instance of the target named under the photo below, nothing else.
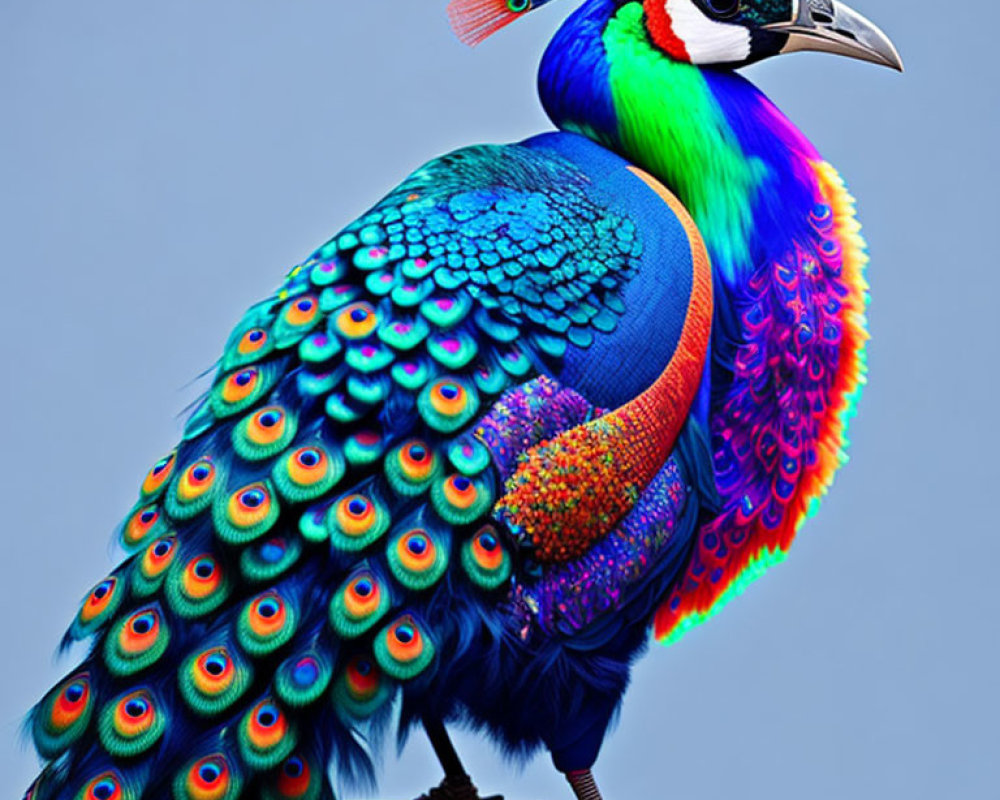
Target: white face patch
(707, 41)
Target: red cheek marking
(661, 28)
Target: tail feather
(321, 542)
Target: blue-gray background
(162, 164)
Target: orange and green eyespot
(63, 716)
(363, 678)
(308, 472)
(448, 404)
(136, 642)
(266, 736)
(403, 648)
(212, 777)
(355, 515)
(264, 433)
(151, 567)
(296, 779)
(459, 499)
(106, 786)
(360, 602)
(198, 586)
(158, 476)
(247, 347)
(411, 467)
(247, 514)
(132, 724)
(485, 559)
(98, 607)
(357, 520)
(266, 623)
(144, 524)
(362, 688)
(362, 597)
(297, 317)
(252, 342)
(357, 320)
(242, 388)
(212, 680)
(194, 489)
(417, 561)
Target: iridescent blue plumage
(330, 489)
(478, 443)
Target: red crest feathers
(476, 20)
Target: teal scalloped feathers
(269, 559)
(303, 677)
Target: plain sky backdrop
(161, 165)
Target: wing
(338, 488)
(776, 450)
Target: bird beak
(833, 27)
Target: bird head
(721, 33)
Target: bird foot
(458, 787)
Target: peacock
(543, 402)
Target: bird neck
(738, 165)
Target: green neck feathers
(670, 124)
(603, 78)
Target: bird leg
(584, 785)
(457, 785)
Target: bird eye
(723, 9)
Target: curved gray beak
(833, 27)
